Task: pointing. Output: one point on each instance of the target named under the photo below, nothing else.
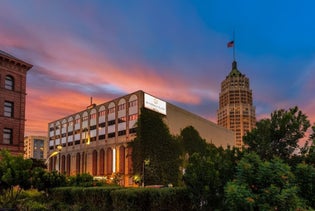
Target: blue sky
(175, 50)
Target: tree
(43, 180)
(15, 175)
(278, 136)
(191, 141)
(207, 174)
(305, 179)
(309, 149)
(155, 153)
(262, 185)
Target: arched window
(109, 161)
(94, 163)
(122, 159)
(9, 82)
(51, 164)
(68, 165)
(129, 154)
(55, 163)
(78, 163)
(63, 164)
(84, 162)
(102, 164)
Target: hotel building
(236, 111)
(95, 140)
(12, 100)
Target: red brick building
(12, 100)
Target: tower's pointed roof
(235, 72)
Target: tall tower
(12, 102)
(236, 111)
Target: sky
(175, 50)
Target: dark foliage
(155, 153)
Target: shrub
(150, 199)
(92, 198)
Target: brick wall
(18, 70)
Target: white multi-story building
(95, 140)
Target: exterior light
(59, 147)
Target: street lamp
(59, 147)
(145, 163)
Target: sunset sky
(173, 49)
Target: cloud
(175, 52)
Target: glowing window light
(114, 160)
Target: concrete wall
(177, 119)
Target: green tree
(155, 153)
(191, 141)
(309, 149)
(15, 175)
(43, 180)
(305, 179)
(207, 174)
(262, 185)
(278, 136)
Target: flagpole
(234, 45)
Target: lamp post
(145, 163)
(59, 147)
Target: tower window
(9, 82)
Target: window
(101, 125)
(9, 82)
(133, 117)
(121, 107)
(93, 116)
(7, 136)
(122, 119)
(111, 110)
(101, 137)
(122, 132)
(132, 130)
(8, 109)
(111, 135)
(133, 103)
(111, 122)
(101, 113)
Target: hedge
(120, 199)
(135, 199)
(92, 198)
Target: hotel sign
(154, 104)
